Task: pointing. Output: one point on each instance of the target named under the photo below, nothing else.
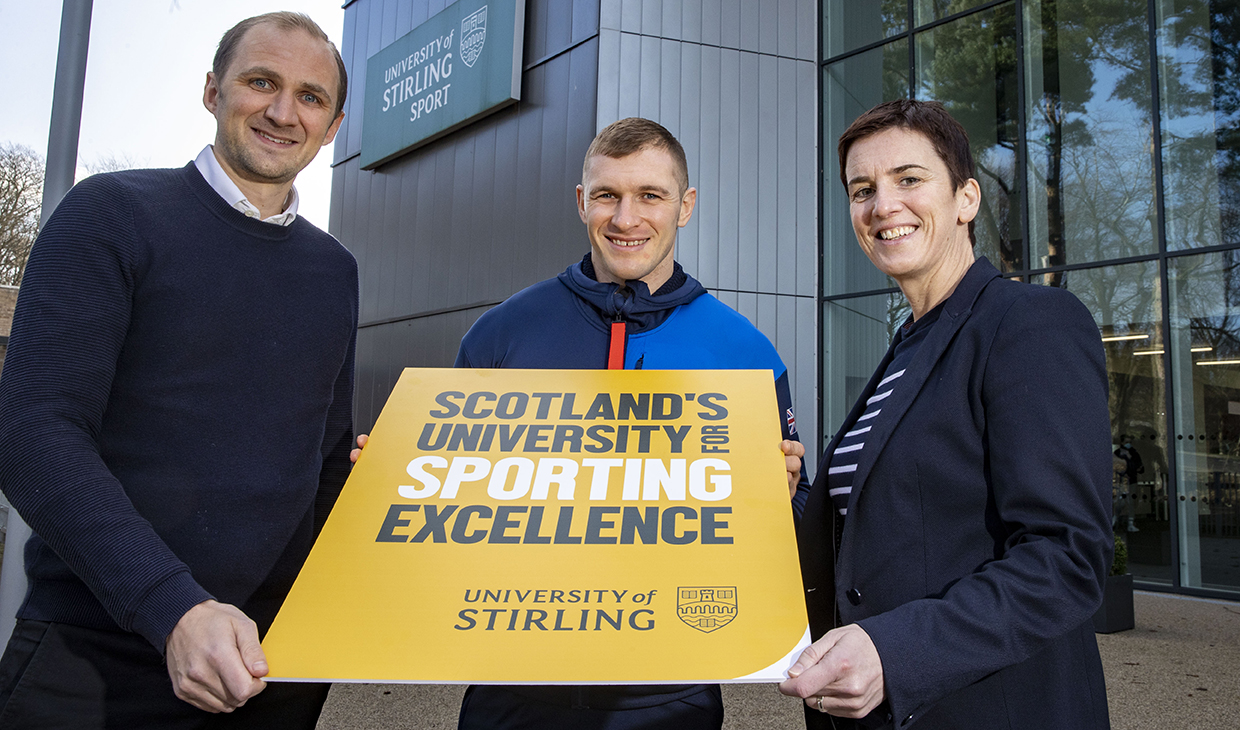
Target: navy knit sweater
(175, 410)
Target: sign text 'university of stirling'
(461, 64)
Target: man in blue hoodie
(626, 305)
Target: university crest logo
(706, 608)
(473, 35)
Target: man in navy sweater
(626, 304)
(175, 412)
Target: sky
(145, 72)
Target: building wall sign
(461, 64)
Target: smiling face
(632, 207)
(275, 105)
(909, 220)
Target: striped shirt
(847, 453)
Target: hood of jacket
(632, 302)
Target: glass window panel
(1126, 302)
(851, 87)
(969, 65)
(1204, 339)
(928, 11)
(1199, 79)
(1090, 157)
(848, 24)
(856, 334)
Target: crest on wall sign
(473, 35)
(706, 608)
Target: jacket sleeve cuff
(164, 606)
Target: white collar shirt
(222, 184)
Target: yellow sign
(556, 526)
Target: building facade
(1107, 134)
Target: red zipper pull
(615, 353)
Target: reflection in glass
(1127, 306)
(848, 24)
(926, 11)
(857, 333)
(851, 87)
(970, 65)
(1205, 364)
(1199, 80)
(1090, 156)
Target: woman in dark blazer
(957, 536)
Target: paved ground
(1179, 669)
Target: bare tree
(21, 195)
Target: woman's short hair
(929, 118)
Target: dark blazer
(978, 530)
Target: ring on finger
(820, 707)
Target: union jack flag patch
(792, 422)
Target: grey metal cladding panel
(649, 96)
(404, 18)
(388, 31)
(374, 33)
(582, 118)
(608, 104)
(363, 380)
(365, 249)
(729, 19)
(740, 104)
(529, 171)
(630, 15)
(630, 76)
(585, 19)
(557, 25)
(609, 15)
(443, 257)
(689, 132)
(768, 108)
(710, 195)
(507, 212)
(538, 18)
(340, 145)
(807, 178)
(353, 52)
(808, 18)
(672, 20)
(806, 387)
(666, 85)
(795, 339)
(462, 276)
(556, 197)
(652, 17)
(744, 13)
(784, 272)
(335, 206)
(477, 209)
(390, 288)
(769, 28)
(690, 20)
(712, 29)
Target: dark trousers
(496, 708)
(55, 676)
